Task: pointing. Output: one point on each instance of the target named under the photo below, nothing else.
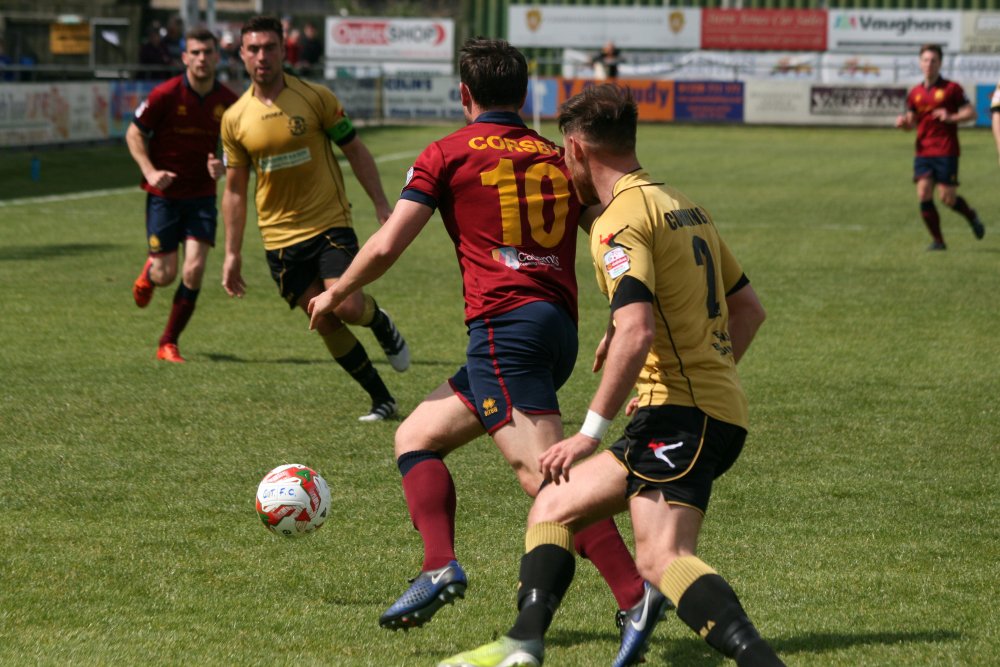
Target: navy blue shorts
(517, 360)
(943, 170)
(679, 451)
(326, 255)
(170, 221)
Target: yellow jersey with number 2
(658, 236)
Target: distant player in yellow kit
(282, 127)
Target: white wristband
(595, 426)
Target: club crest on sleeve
(616, 262)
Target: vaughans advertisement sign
(893, 31)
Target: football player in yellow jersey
(682, 315)
(282, 128)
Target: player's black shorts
(678, 451)
(517, 360)
(943, 170)
(326, 255)
(170, 221)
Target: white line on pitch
(71, 196)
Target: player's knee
(410, 437)
(546, 508)
(162, 275)
(652, 563)
(193, 275)
(948, 198)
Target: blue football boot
(427, 593)
(637, 626)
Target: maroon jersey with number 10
(183, 128)
(507, 202)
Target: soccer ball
(293, 500)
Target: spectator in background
(291, 41)
(173, 41)
(154, 53)
(4, 61)
(606, 62)
(230, 64)
(310, 51)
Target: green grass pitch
(860, 527)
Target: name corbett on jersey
(512, 146)
(686, 217)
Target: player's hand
(941, 114)
(216, 168)
(555, 462)
(160, 178)
(632, 406)
(319, 306)
(382, 214)
(601, 353)
(232, 276)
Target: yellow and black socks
(708, 605)
(351, 355)
(547, 569)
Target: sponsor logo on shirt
(285, 160)
(616, 262)
(513, 258)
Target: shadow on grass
(36, 252)
(223, 358)
(233, 359)
(693, 651)
(697, 653)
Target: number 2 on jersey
(504, 179)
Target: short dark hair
(263, 24)
(932, 47)
(605, 115)
(202, 35)
(495, 72)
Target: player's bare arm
(746, 314)
(966, 113)
(627, 349)
(996, 130)
(138, 148)
(234, 219)
(365, 170)
(375, 257)
(601, 353)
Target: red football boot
(142, 288)
(169, 352)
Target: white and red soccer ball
(293, 500)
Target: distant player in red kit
(173, 138)
(935, 108)
(508, 205)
